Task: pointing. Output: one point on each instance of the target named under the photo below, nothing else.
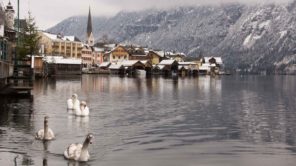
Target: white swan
(83, 110)
(73, 102)
(79, 152)
(46, 133)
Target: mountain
(251, 38)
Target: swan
(73, 102)
(79, 152)
(83, 110)
(46, 133)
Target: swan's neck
(45, 129)
(82, 108)
(85, 144)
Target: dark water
(204, 121)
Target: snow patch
(283, 33)
(264, 24)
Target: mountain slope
(252, 38)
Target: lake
(201, 121)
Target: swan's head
(89, 138)
(74, 96)
(83, 104)
(46, 119)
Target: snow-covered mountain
(253, 38)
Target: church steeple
(90, 38)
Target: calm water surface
(203, 121)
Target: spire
(89, 24)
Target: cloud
(47, 13)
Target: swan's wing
(50, 134)
(86, 110)
(73, 151)
(40, 134)
(70, 104)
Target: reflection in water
(184, 121)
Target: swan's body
(46, 133)
(79, 152)
(83, 110)
(73, 102)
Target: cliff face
(252, 38)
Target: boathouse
(57, 65)
(168, 67)
(116, 69)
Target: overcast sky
(47, 13)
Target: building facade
(58, 45)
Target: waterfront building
(59, 45)
(168, 67)
(156, 56)
(87, 56)
(7, 43)
(211, 65)
(119, 53)
(57, 65)
(179, 57)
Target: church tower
(9, 16)
(90, 37)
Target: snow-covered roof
(104, 64)
(167, 62)
(61, 60)
(160, 67)
(129, 63)
(186, 63)
(115, 66)
(159, 53)
(144, 62)
(97, 49)
(58, 37)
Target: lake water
(201, 121)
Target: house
(59, 45)
(168, 67)
(211, 65)
(137, 53)
(119, 53)
(156, 56)
(190, 67)
(58, 65)
(87, 56)
(98, 55)
(179, 57)
(116, 69)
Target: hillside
(251, 38)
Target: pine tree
(28, 38)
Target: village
(68, 55)
(60, 54)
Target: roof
(160, 67)
(187, 63)
(62, 60)
(104, 64)
(59, 37)
(129, 63)
(89, 24)
(159, 53)
(167, 62)
(115, 66)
